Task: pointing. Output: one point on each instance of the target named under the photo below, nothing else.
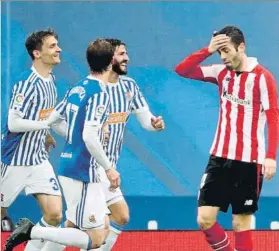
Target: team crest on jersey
(100, 109)
(19, 99)
(92, 218)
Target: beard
(117, 68)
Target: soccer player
(84, 109)
(24, 159)
(238, 162)
(125, 99)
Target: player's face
(232, 56)
(50, 53)
(120, 60)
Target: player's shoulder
(128, 80)
(26, 78)
(263, 72)
(86, 87)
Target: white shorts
(86, 204)
(39, 179)
(112, 196)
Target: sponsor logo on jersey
(45, 113)
(116, 118)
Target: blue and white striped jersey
(33, 98)
(125, 98)
(86, 102)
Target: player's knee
(205, 220)
(53, 217)
(123, 219)
(241, 222)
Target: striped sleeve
(97, 109)
(190, 67)
(269, 101)
(139, 102)
(268, 90)
(61, 107)
(22, 97)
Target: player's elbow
(177, 69)
(12, 126)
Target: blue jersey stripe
(125, 98)
(39, 97)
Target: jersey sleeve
(268, 90)
(139, 103)
(269, 101)
(190, 67)
(97, 109)
(23, 94)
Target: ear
(36, 54)
(113, 60)
(242, 47)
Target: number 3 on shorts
(55, 186)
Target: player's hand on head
(50, 141)
(269, 168)
(217, 42)
(158, 123)
(114, 178)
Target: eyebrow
(53, 44)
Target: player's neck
(113, 77)
(42, 69)
(104, 77)
(243, 64)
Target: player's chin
(56, 60)
(123, 72)
(229, 66)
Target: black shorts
(231, 182)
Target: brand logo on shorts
(248, 203)
(92, 218)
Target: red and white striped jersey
(244, 99)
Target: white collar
(252, 62)
(43, 78)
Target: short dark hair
(234, 33)
(99, 55)
(115, 42)
(36, 39)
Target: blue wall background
(163, 169)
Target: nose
(59, 49)
(223, 56)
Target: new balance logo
(248, 203)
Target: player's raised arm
(21, 102)
(269, 100)
(190, 67)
